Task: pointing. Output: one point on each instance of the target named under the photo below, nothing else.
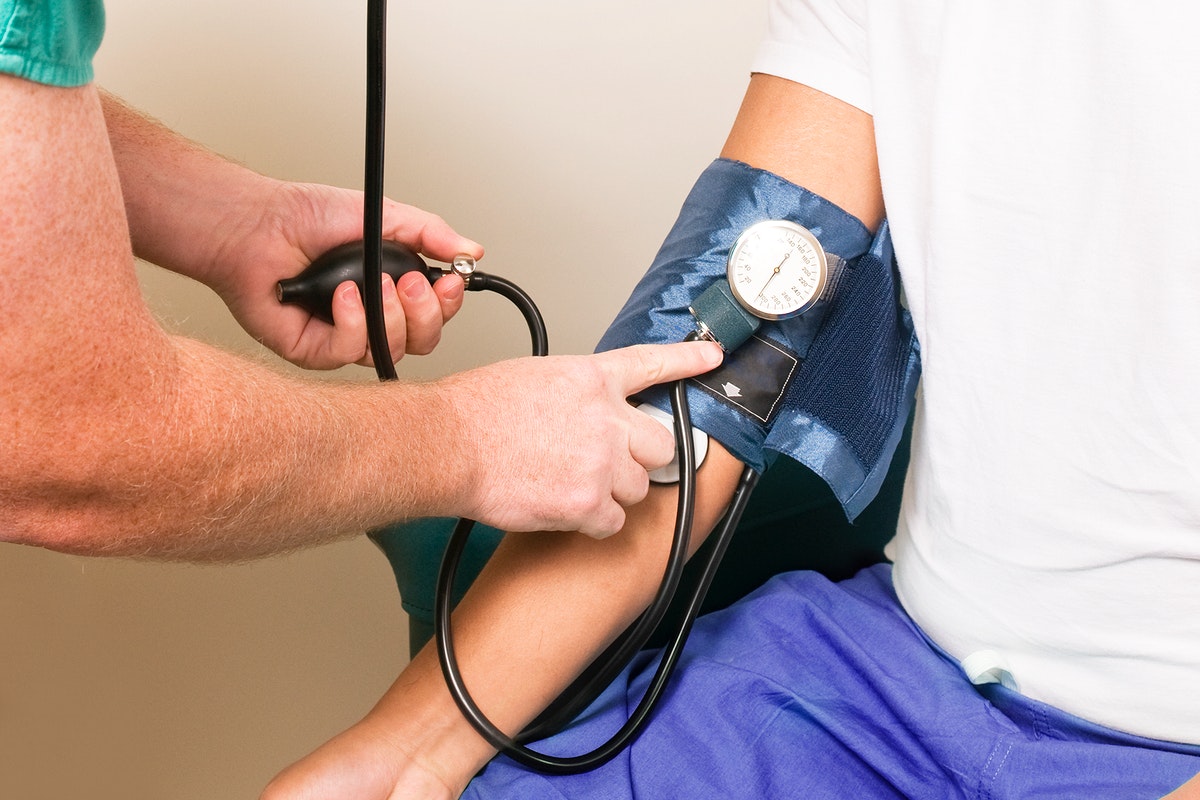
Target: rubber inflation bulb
(313, 288)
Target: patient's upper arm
(811, 139)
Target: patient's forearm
(537, 615)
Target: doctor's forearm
(182, 200)
(119, 438)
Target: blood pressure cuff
(831, 388)
(50, 41)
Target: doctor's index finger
(643, 365)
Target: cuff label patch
(753, 378)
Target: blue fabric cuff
(844, 409)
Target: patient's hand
(364, 763)
(413, 744)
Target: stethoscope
(776, 269)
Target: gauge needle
(773, 274)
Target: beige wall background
(561, 135)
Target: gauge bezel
(776, 227)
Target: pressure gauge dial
(777, 269)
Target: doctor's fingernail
(713, 354)
(454, 290)
(414, 288)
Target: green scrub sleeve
(50, 41)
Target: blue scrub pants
(811, 689)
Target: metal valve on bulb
(313, 288)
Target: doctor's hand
(195, 213)
(554, 443)
(298, 223)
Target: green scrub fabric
(50, 41)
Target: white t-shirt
(1041, 171)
